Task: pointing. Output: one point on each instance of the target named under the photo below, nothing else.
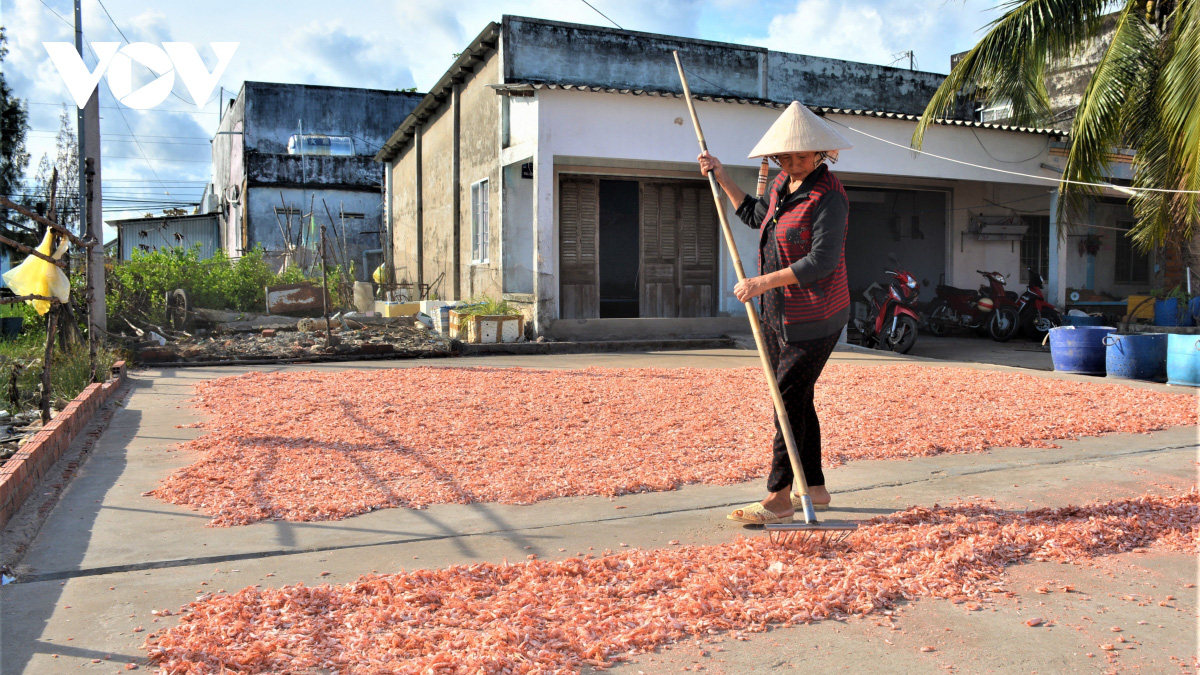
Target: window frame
(480, 221)
(1123, 247)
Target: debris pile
(557, 616)
(230, 336)
(355, 441)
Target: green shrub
(138, 287)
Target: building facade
(554, 165)
(286, 152)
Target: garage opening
(619, 208)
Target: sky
(161, 156)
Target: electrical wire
(1005, 161)
(602, 14)
(1118, 188)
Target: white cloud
(395, 44)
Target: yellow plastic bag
(380, 273)
(35, 276)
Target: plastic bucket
(1139, 356)
(1166, 312)
(10, 326)
(1071, 320)
(1183, 360)
(1079, 349)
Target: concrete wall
(361, 234)
(479, 150)
(1097, 273)
(276, 112)
(516, 232)
(250, 150)
(437, 152)
(313, 170)
(547, 51)
(845, 84)
(404, 215)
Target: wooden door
(579, 268)
(660, 224)
(679, 251)
(697, 252)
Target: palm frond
(1107, 104)
(1010, 60)
(1179, 99)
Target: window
(480, 236)
(1035, 247)
(1132, 266)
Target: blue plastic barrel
(1079, 349)
(1138, 356)
(1166, 312)
(1073, 320)
(1183, 360)
(1193, 311)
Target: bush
(139, 287)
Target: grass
(70, 371)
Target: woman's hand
(751, 288)
(710, 163)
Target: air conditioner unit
(997, 228)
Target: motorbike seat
(951, 290)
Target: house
(284, 153)
(554, 165)
(1100, 260)
(161, 232)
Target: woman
(805, 300)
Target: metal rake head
(798, 535)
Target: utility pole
(91, 223)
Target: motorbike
(1036, 315)
(990, 309)
(892, 321)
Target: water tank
(320, 144)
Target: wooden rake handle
(780, 412)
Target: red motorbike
(895, 321)
(989, 309)
(1037, 316)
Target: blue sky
(163, 153)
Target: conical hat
(799, 129)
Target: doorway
(619, 225)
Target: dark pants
(797, 366)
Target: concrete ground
(105, 557)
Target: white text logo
(172, 58)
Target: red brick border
(22, 471)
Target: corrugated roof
(517, 89)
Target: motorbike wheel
(940, 315)
(1049, 319)
(1004, 324)
(905, 336)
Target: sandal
(798, 504)
(757, 514)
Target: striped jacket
(811, 239)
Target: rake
(782, 533)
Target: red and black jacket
(806, 231)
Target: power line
(1118, 188)
(602, 14)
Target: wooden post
(51, 320)
(325, 290)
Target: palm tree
(1144, 95)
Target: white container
(364, 296)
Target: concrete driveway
(106, 557)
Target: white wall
(650, 132)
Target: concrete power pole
(91, 222)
